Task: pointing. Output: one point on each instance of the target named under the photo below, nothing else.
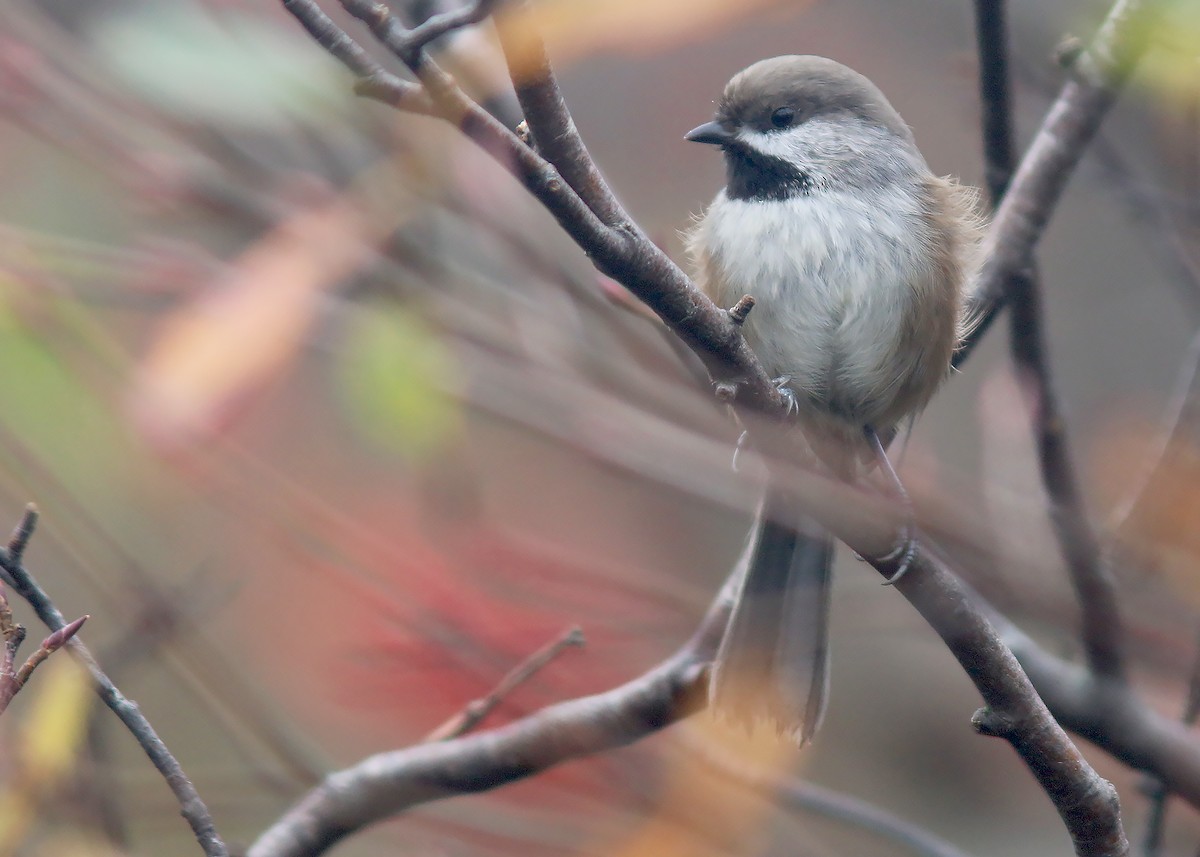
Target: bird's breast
(833, 273)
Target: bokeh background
(330, 426)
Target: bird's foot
(791, 403)
(906, 545)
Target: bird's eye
(783, 117)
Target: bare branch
(1097, 76)
(627, 256)
(389, 783)
(1086, 802)
(1089, 571)
(549, 121)
(191, 805)
(476, 710)
(437, 26)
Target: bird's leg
(906, 547)
(791, 407)
(791, 403)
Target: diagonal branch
(554, 133)
(628, 257)
(389, 783)
(191, 805)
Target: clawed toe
(792, 404)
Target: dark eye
(783, 117)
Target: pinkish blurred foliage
(331, 427)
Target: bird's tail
(773, 661)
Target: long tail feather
(773, 661)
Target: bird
(860, 260)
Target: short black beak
(713, 133)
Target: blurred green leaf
(235, 69)
(393, 368)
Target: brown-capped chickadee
(859, 259)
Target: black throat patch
(753, 175)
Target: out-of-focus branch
(1156, 790)
(1097, 76)
(999, 149)
(191, 805)
(1183, 415)
(1089, 571)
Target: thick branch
(626, 256)
(1086, 802)
(554, 133)
(388, 783)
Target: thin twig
(1097, 76)
(439, 25)
(475, 711)
(1155, 789)
(400, 93)
(49, 646)
(191, 805)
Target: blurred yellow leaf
(210, 354)
(732, 814)
(55, 726)
(575, 29)
(47, 745)
(1172, 66)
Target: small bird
(859, 259)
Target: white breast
(832, 273)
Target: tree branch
(389, 783)
(1090, 575)
(628, 257)
(191, 805)
(1097, 76)
(554, 133)
(1086, 802)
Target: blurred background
(330, 426)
